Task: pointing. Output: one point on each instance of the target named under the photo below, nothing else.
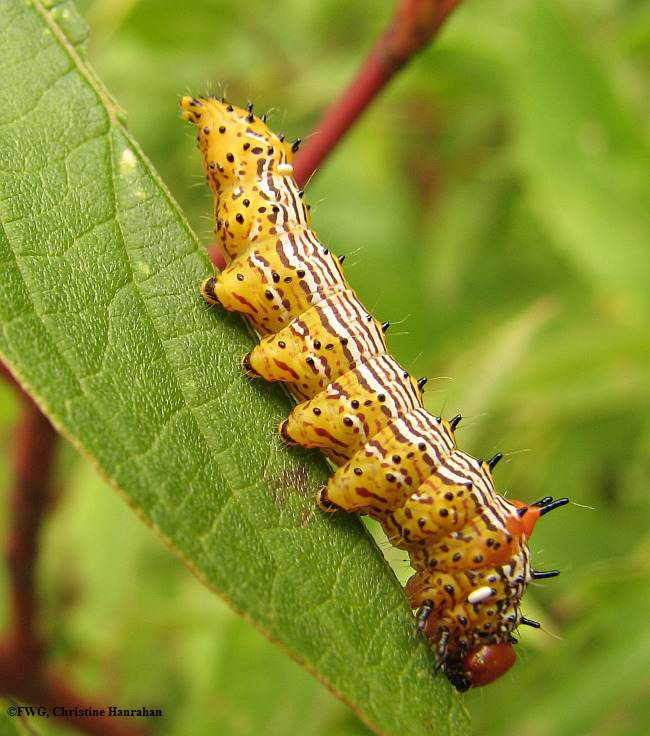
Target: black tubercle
(455, 421)
(422, 382)
(554, 505)
(493, 461)
(541, 575)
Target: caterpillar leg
(324, 503)
(284, 434)
(208, 290)
(248, 368)
(290, 441)
(441, 650)
(422, 616)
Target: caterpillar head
(236, 146)
(481, 666)
(485, 663)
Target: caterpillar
(393, 460)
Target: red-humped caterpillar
(396, 462)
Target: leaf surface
(102, 323)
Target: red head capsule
(488, 662)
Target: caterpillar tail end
(208, 291)
(188, 106)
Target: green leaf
(68, 18)
(102, 323)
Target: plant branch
(34, 449)
(414, 25)
(22, 649)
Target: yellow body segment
(497, 589)
(249, 169)
(353, 409)
(450, 589)
(246, 215)
(450, 547)
(399, 464)
(382, 476)
(310, 352)
(276, 280)
(450, 499)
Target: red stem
(22, 672)
(34, 448)
(216, 256)
(414, 24)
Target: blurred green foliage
(494, 202)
